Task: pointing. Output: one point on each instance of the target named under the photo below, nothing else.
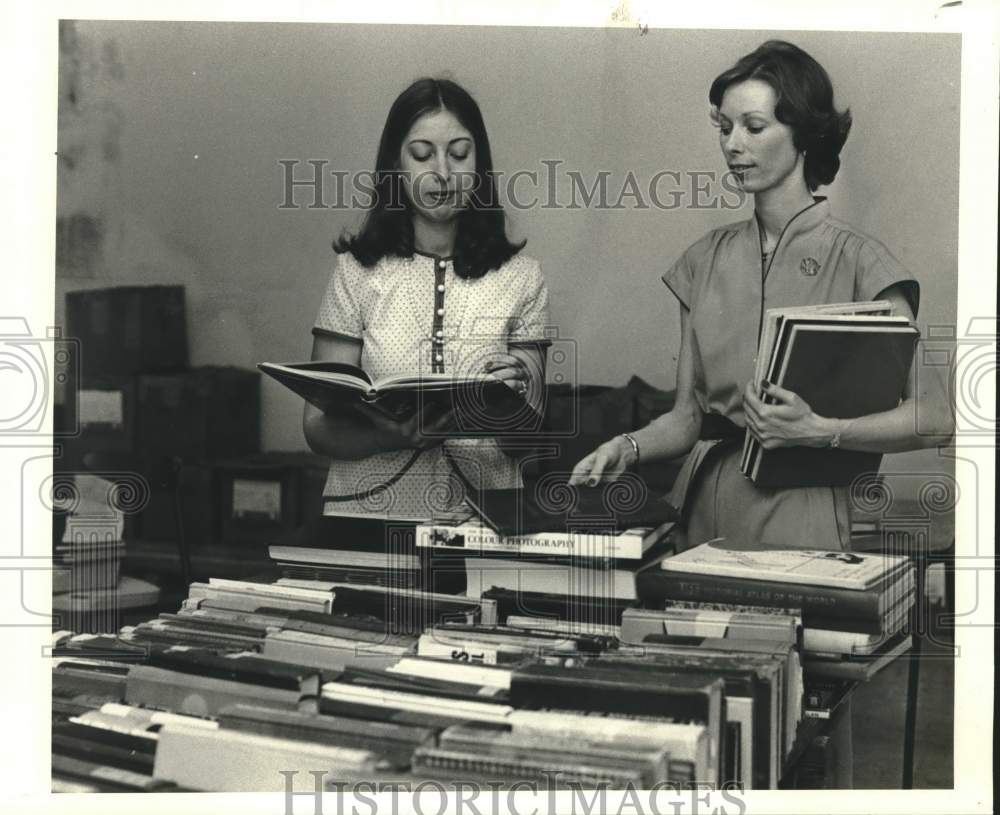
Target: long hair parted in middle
(481, 242)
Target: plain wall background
(201, 114)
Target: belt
(716, 427)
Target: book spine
(655, 587)
(217, 761)
(470, 653)
(198, 696)
(558, 690)
(464, 762)
(472, 539)
(67, 681)
(102, 773)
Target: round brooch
(809, 267)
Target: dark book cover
(742, 678)
(643, 691)
(842, 370)
(87, 743)
(404, 612)
(250, 669)
(629, 689)
(594, 610)
(480, 404)
(407, 683)
(554, 505)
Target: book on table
(844, 361)
(846, 570)
(472, 538)
(481, 402)
(837, 590)
(857, 667)
(553, 505)
(559, 576)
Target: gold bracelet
(635, 446)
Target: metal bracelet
(635, 446)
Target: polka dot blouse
(415, 315)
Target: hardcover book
(845, 570)
(481, 402)
(691, 698)
(473, 537)
(555, 506)
(859, 610)
(843, 366)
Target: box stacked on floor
(139, 407)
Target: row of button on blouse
(439, 271)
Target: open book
(482, 403)
(845, 360)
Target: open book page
(353, 376)
(429, 381)
(350, 375)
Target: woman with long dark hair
(430, 283)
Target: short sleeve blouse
(818, 259)
(413, 315)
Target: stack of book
(845, 360)
(133, 404)
(193, 719)
(380, 678)
(251, 677)
(579, 564)
(854, 607)
(368, 551)
(349, 550)
(756, 655)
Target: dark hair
(804, 103)
(481, 241)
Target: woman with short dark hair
(803, 102)
(781, 137)
(430, 283)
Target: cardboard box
(202, 414)
(264, 496)
(128, 329)
(106, 413)
(196, 489)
